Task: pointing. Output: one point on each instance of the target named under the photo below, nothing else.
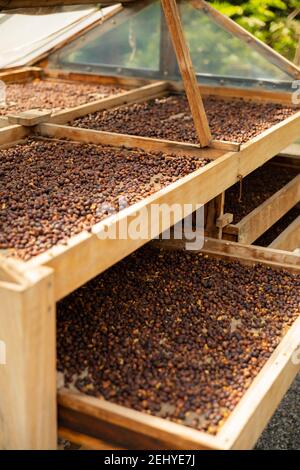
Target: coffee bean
(59, 208)
(164, 118)
(52, 94)
(157, 344)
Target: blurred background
(275, 22)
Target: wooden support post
(216, 220)
(187, 72)
(28, 371)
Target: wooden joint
(29, 118)
(224, 220)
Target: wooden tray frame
(263, 217)
(97, 423)
(29, 291)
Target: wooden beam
(292, 150)
(123, 140)
(12, 133)
(187, 72)
(269, 212)
(289, 239)
(85, 442)
(236, 30)
(21, 74)
(29, 118)
(125, 427)
(28, 379)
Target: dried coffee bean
(44, 185)
(154, 338)
(164, 118)
(52, 94)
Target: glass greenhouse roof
(25, 37)
(135, 42)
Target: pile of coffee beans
(174, 334)
(267, 238)
(51, 190)
(170, 118)
(257, 188)
(55, 95)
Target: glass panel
(126, 41)
(136, 42)
(23, 37)
(216, 51)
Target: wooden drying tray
(263, 217)
(289, 239)
(148, 92)
(28, 291)
(99, 424)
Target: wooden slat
(292, 150)
(187, 72)
(289, 239)
(246, 254)
(12, 133)
(122, 426)
(125, 140)
(247, 94)
(21, 74)
(256, 223)
(28, 380)
(231, 26)
(85, 442)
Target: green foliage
(275, 22)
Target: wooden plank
(188, 74)
(3, 122)
(246, 254)
(28, 380)
(292, 150)
(12, 133)
(85, 442)
(132, 96)
(125, 82)
(250, 417)
(21, 74)
(236, 30)
(106, 421)
(289, 239)
(125, 140)
(247, 94)
(256, 223)
(29, 118)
